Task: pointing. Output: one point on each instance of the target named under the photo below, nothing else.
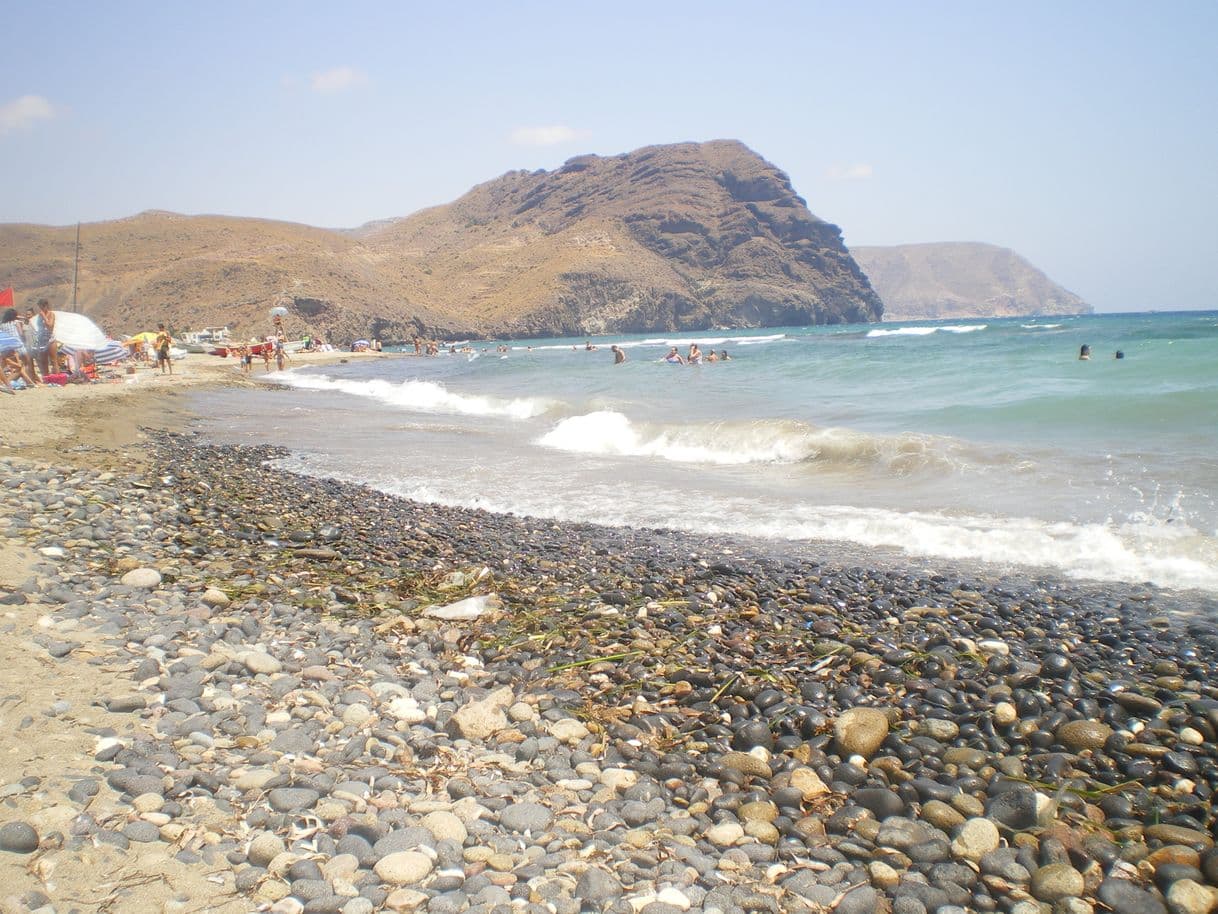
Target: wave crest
(926, 331)
(422, 396)
(610, 433)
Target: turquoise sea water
(976, 440)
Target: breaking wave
(926, 331)
(611, 433)
(422, 396)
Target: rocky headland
(297, 695)
(961, 279)
(665, 238)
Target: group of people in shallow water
(696, 356)
(1084, 353)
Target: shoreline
(280, 714)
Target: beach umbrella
(279, 311)
(108, 353)
(113, 351)
(146, 336)
(78, 331)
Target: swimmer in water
(618, 355)
(1119, 355)
(1084, 353)
(695, 354)
(724, 357)
(674, 357)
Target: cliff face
(666, 238)
(961, 279)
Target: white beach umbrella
(78, 332)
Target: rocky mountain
(687, 236)
(961, 279)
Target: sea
(982, 441)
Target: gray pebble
(18, 838)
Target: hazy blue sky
(1083, 135)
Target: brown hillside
(668, 237)
(961, 279)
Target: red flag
(6, 298)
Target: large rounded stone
(18, 838)
(292, 799)
(1123, 897)
(259, 662)
(482, 719)
(445, 826)
(860, 731)
(725, 834)
(746, 763)
(1189, 897)
(146, 578)
(403, 868)
(215, 598)
(808, 783)
(265, 848)
(598, 887)
(976, 838)
(526, 817)
(1078, 735)
(1056, 881)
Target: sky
(1083, 135)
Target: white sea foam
(1040, 326)
(421, 396)
(926, 331)
(1173, 556)
(704, 341)
(902, 331)
(612, 434)
(1170, 555)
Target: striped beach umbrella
(110, 352)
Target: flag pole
(76, 267)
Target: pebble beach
(229, 688)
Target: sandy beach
(228, 688)
(102, 426)
(89, 424)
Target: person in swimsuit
(46, 350)
(695, 354)
(618, 355)
(12, 350)
(674, 357)
(162, 344)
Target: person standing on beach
(46, 350)
(29, 336)
(162, 344)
